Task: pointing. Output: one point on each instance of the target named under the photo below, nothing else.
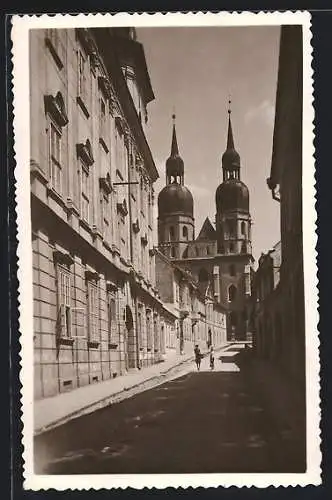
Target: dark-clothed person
(198, 357)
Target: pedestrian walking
(198, 357)
(212, 359)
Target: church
(220, 257)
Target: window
(93, 311)
(149, 330)
(85, 192)
(64, 288)
(207, 250)
(231, 247)
(177, 292)
(171, 233)
(111, 316)
(182, 295)
(172, 251)
(82, 76)
(232, 293)
(55, 47)
(232, 270)
(243, 228)
(105, 218)
(150, 206)
(197, 251)
(185, 232)
(102, 115)
(55, 158)
(243, 248)
(142, 258)
(123, 239)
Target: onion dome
(232, 194)
(175, 198)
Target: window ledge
(115, 249)
(66, 341)
(107, 245)
(113, 345)
(96, 232)
(36, 171)
(103, 144)
(54, 53)
(56, 196)
(93, 344)
(83, 107)
(72, 207)
(86, 225)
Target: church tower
(233, 221)
(175, 207)
(233, 232)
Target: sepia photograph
(173, 320)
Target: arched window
(185, 232)
(232, 293)
(231, 247)
(243, 228)
(171, 233)
(207, 250)
(203, 276)
(172, 252)
(232, 270)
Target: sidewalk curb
(123, 394)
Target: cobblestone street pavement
(200, 422)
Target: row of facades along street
(120, 302)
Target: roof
(207, 231)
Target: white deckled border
(20, 51)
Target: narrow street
(200, 422)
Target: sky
(193, 72)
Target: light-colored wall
(57, 221)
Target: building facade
(285, 183)
(198, 318)
(97, 311)
(220, 257)
(266, 312)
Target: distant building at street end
(200, 319)
(220, 257)
(97, 311)
(285, 183)
(266, 311)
